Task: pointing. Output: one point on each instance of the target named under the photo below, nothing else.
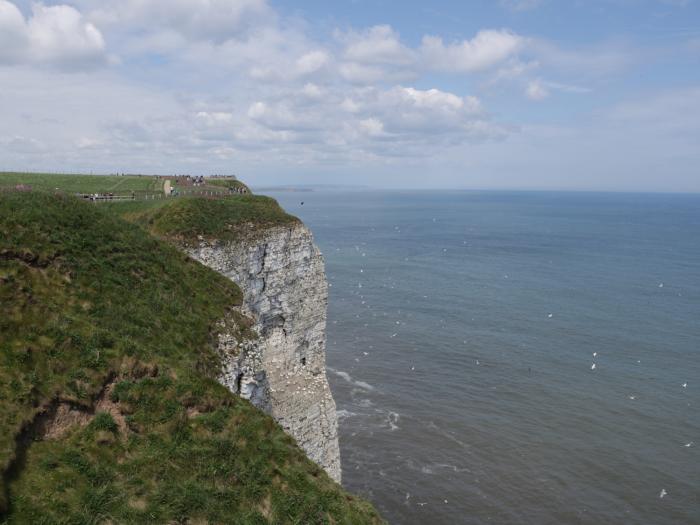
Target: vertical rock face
(281, 273)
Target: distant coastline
(285, 189)
(307, 188)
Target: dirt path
(118, 183)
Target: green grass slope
(228, 183)
(109, 412)
(84, 183)
(186, 219)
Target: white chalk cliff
(281, 273)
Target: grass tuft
(104, 421)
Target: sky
(599, 95)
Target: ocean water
(463, 329)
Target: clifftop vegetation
(109, 410)
(84, 183)
(187, 219)
(228, 183)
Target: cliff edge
(281, 273)
(272, 257)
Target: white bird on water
(685, 385)
(593, 366)
(663, 493)
(688, 445)
(595, 354)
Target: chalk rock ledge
(281, 273)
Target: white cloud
(230, 116)
(372, 127)
(58, 111)
(376, 45)
(311, 62)
(58, 35)
(349, 106)
(14, 37)
(207, 20)
(378, 55)
(257, 110)
(307, 125)
(436, 99)
(487, 49)
(213, 118)
(407, 111)
(312, 91)
(396, 117)
(541, 89)
(270, 55)
(536, 90)
(285, 116)
(375, 55)
(364, 74)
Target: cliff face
(281, 274)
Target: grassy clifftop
(109, 412)
(188, 219)
(84, 183)
(228, 183)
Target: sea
(514, 357)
